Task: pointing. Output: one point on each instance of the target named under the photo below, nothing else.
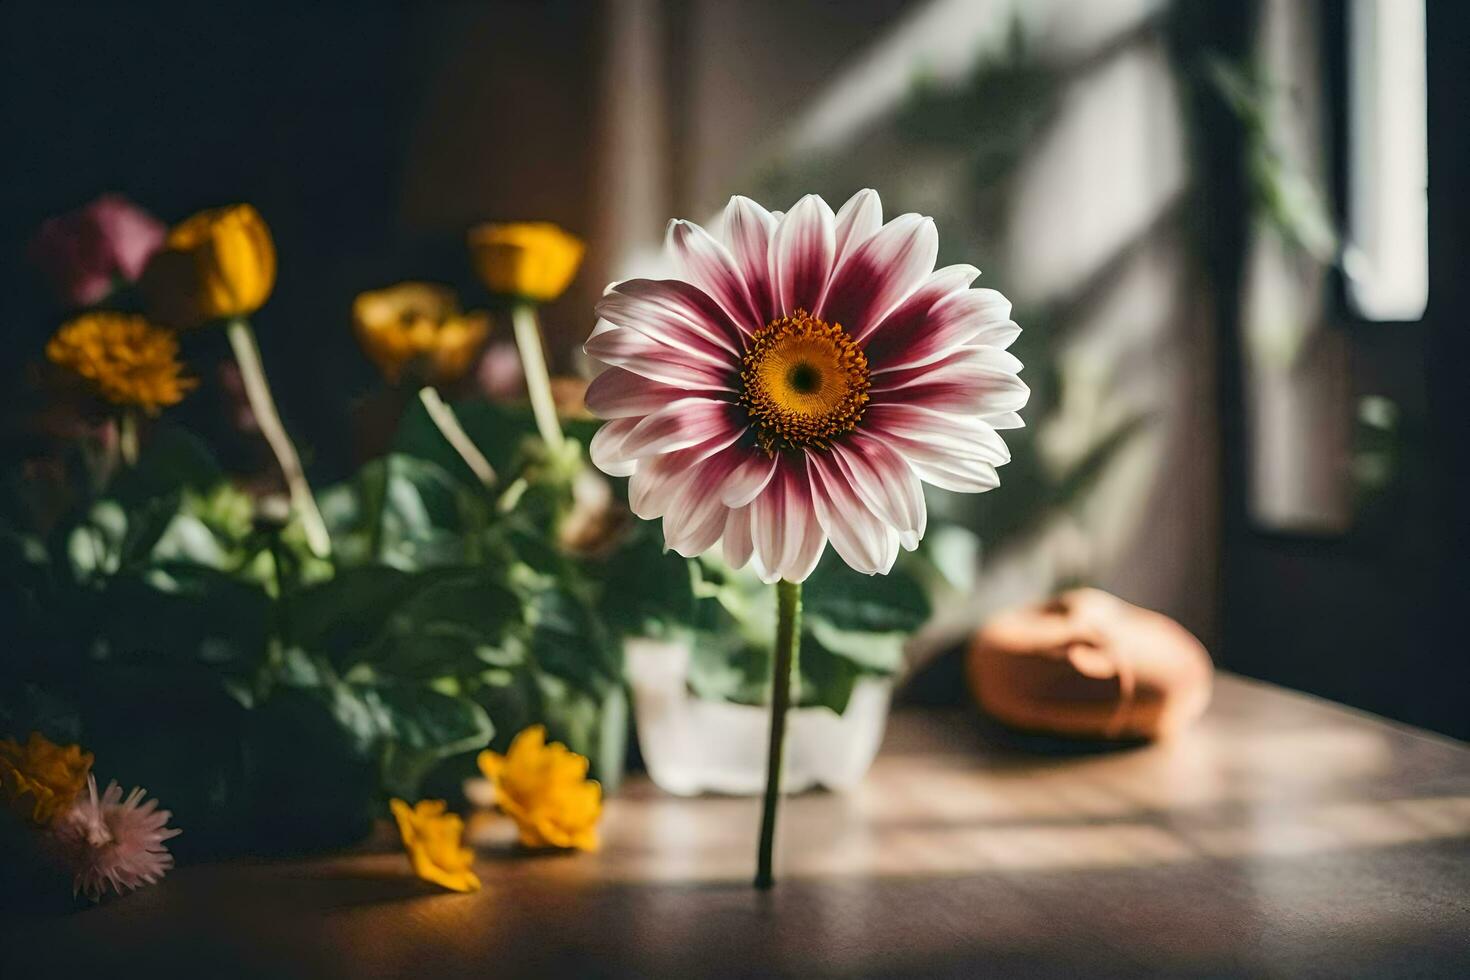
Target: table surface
(1281, 836)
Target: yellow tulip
(217, 264)
(530, 260)
(418, 327)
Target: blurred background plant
(479, 577)
(182, 627)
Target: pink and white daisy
(797, 383)
(111, 842)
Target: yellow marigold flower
(418, 327)
(214, 265)
(433, 840)
(545, 789)
(533, 260)
(41, 780)
(125, 359)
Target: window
(1387, 256)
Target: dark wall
(369, 135)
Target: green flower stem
(538, 381)
(784, 667)
(453, 432)
(127, 436)
(375, 504)
(263, 405)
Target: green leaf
(609, 754)
(342, 616)
(645, 589)
(26, 707)
(569, 640)
(422, 719)
(496, 430)
(722, 667)
(426, 519)
(362, 717)
(187, 539)
(891, 603)
(147, 524)
(95, 545)
(591, 723)
(312, 756)
(877, 653)
(172, 460)
(186, 613)
(454, 625)
(827, 679)
(28, 598)
(226, 510)
(425, 726)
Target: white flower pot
(694, 746)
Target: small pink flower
(114, 842)
(84, 252)
(499, 373)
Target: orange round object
(1089, 665)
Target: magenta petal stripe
(908, 333)
(858, 535)
(801, 255)
(616, 394)
(737, 544)
(657, 362)
(857, 221)
(928, 435)
(976, 380)
(748, 477)
(881, 273)
(652, 306)
(663, 326)
(967, 318)
(709, 265)
(788, 539)
(887, 484)
(606, 448)
(748, 229)
(680, 425)
(658, 477)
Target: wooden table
(1282, 836)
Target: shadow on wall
(1046, 140)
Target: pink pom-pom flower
(798, 381)
(109, 842)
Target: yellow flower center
(804, 381)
